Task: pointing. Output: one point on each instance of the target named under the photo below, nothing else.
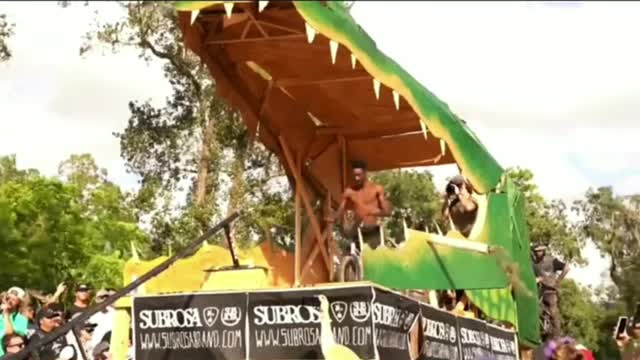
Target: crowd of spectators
(29, 316)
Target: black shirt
(51, 350)
(75, 310)
(547, 269)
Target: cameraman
(459, 206)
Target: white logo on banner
(286, 314)
(210, 315)
(169, 318)
(408, 321)
(231, 315)
(360, 311)
(339, 310)
(452, 334)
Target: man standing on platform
(366, 204)
(546, 268)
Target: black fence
(285, 324)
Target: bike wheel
(349, 269)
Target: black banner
(394, 316)
(440, 335)
(504, 343)
(474, 339)
(194, 326)
(285, 324)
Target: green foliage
(415, 200)
(547, 221)
(6, 31)
(52, 231)
(581, 316)
(194, 150)
(613, 224)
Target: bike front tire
(349, 269)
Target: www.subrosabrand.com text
(307, 336)
(191, 340)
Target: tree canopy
(54, 230)
(6, 31)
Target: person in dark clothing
(49, 318)
(81, 302)
(12, 344)
(366, 204)
(546, 269)
(459, 206)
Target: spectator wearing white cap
(12, 321)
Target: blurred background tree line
(196, 163)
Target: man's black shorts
(370, 234)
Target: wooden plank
(329, 234)
(218, 40)
(343, 161)
(305, 200)
(314, 253)
(307, 82)
(298, 230)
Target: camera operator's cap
(83, 287)
(539, 247)
(457, 180)
(17, 292)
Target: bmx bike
(545, 314)
(350, 267)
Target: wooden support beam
(329, 234)
(217, 40)
(245, 30)
(343, 161)
(314, 253)
(305, 200)
(280, 27)
(307, 82)
(298, 249)
(362, 133)
(251, 11)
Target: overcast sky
(553, 87)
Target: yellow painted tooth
(334, 50)
(396, 99)
(228, 7)
(353, 61)
(194, 16)
(311, 32)
(443, 146)
(262, 4)
(424, 128)
(376, 88)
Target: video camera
(452, 189)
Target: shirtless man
(459, 205)
(365, 203)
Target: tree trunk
(238, 184)
(208, 137)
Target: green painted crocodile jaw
(333, 20)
